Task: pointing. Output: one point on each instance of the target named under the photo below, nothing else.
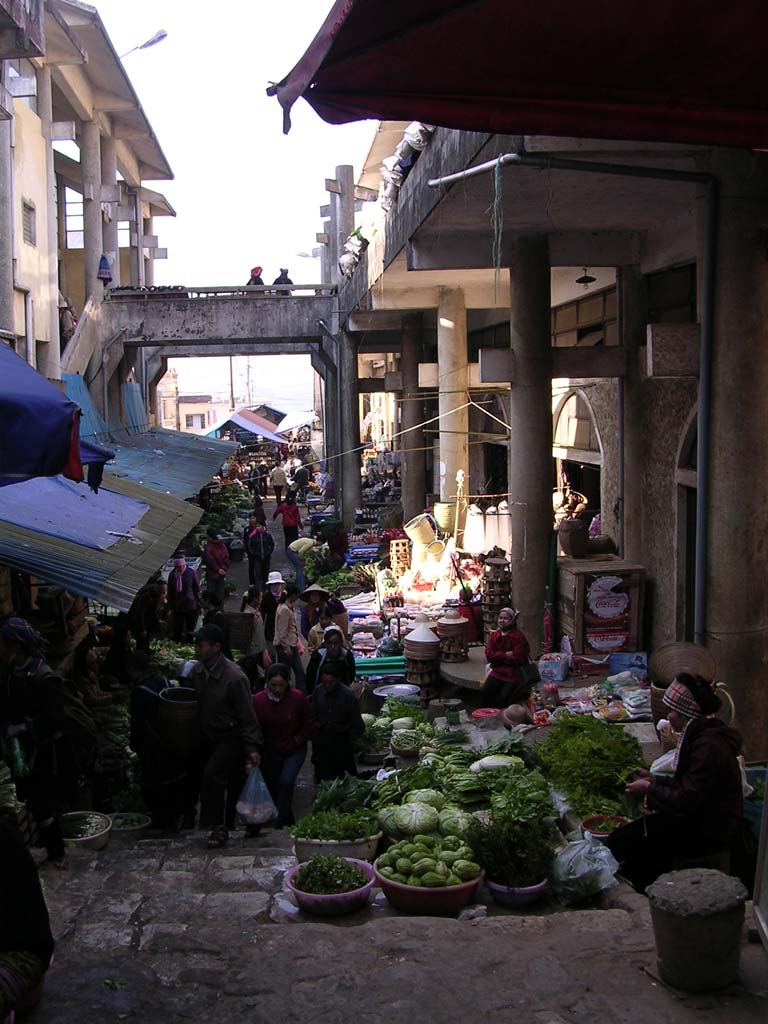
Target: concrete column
(413, 462)
(342, 221)
(736, 617)
(633, 320)
(93, 243)
(530, 450)
(137, 251)
(6, 230)
(330, 434)
(51, 355)
(453, 371)
(149, 264)
(109, 177)
(352, 496)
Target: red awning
(655, 70)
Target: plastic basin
(360, 849)
(121, 828)
(519, 897)
(98, 840)
(421, 899)
(332, 904)
(487, 718)
(589, 824)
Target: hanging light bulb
(586, 279)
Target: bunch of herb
(394, 708)
(397, 786)
(522, 796)
(343, 826)
(590, 762)
(344, 794)
(512, 853)
(514, 745)
(328, 875)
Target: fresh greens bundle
(590, 762)
(522, 796)
(398, 785)
(394, 709)
(329, 875)
(512, 853)
(344, 794)
(343, 826)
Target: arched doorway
(576, 448)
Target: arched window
(575, 429)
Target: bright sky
(244, 193)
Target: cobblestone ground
(161, 929)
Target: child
(315, 638)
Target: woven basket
(668, 661)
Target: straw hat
(314, 589)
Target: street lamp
(158, 37)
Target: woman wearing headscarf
(506, 650)
(32, 716)
(255, 278)
(184, 599)
(697, 810)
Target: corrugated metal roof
(166, 460)
(113, 576)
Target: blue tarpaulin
(38, 425)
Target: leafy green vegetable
(394, 708)
(589, 761)
(336, 825)
(328, 875)
(522, 796)
(426, 796)
(344, 794)
(413, 818)
(512, 853)
(454, 822)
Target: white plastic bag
(582, 870)
(255, 805)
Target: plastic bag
(665, 764)
(583, 869)
(255, 805)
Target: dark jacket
(188, 598)
(269, 605)
(216, 557)
(24, 924)
(224, 703)
(316, 662)
(706, 787)
(258, 544)
(287, 724)
(145, 708)
(337, 716)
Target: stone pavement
(162, 929)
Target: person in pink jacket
(216, 561)
(506, 650)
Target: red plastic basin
(421, 899)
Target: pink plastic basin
(332, 904)
(422, 899)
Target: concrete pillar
(633, 320)
(51, 355)
(453, 387)
(109, 177)
(6, 230)
(413, 460)
(137, 250)
(93, 243)
(736, 616)
(342, 222)
(330, 433)
(149, 264)
(530, 428)
(352, 488)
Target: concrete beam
(673, 350)
(223, 347)
(471, 250)
(369, 385)
(382, 320)
(610, 361)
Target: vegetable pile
(590, 762)
(329, 875)
(429, 861)
(341, 826)
(83, 826)
(7, 788)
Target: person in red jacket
(216, 561)
(287, 723)
(291, 514)
(506, 650)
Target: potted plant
(516, 857)
(341, 833)
(330, 886)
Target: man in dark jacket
(283, 279)
(332, 652)
(337, 723)
(229, 730)
(259, 546)
(183, 598)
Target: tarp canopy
(103, 546)
(655, 70)
(250, 422)
(38, 424)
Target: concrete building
(61, 212)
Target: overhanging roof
(655, 70)
(111, 575)
(250, 421)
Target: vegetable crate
(600, 604)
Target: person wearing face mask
(287, 723)
(506, 650)
(696, 812)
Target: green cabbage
(386, 820)
(368, 719)
(402, 723)
(454, 822)
(414, 818)
(426, 796)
